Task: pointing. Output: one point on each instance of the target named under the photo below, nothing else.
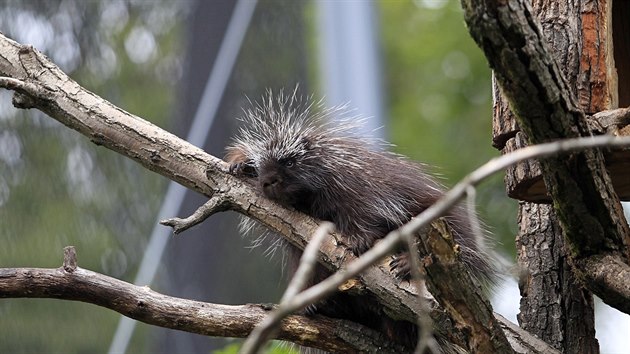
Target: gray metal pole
(350, 65)
(202, 122)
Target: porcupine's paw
(243, 169)
(400, 266)
(360, 246)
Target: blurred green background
(58, 189)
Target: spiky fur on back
(315, 160)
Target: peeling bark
(546, 108)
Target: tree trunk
(554, 306)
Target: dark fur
(366, 192)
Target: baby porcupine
(301, 158)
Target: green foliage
(439, 87)
(228, 349)
(440, 98)
(274, 347)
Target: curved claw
(310, 310)
(400, 266)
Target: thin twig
(475, 226)
(264, 331)
(15, 84)
(308, 261)
(426, 340)
(215, 204)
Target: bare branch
(426, 341)
(20, 86)
(50, 90)
(307, 262)
(143, 304)
(609, 273)
(475, 226)
(522, 341)
(611, 120)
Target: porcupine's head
(293, 148)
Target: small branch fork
(210, 207)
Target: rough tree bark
(587, 206)
(554, 306)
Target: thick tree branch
(588, 208)
(70, 282)
(143, 304)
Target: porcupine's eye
(288, 162)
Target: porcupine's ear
(307, 142)
(235, 155)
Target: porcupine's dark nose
(270, 182)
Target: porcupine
(302, 158)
